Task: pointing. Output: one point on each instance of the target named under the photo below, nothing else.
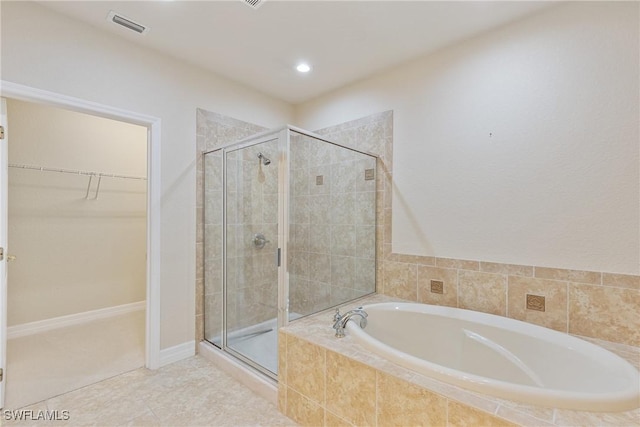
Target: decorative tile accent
(437, 287)
(535, 302)
(449, 279)
(319, 180)
(369, 174)
(554, 292)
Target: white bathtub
(499, 356)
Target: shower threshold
(257, 342)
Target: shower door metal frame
(283, 135)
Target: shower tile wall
(332, 248)
(213, 130)
(252, 207)
(372, 134)
(350, 269)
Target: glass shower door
(251, 252)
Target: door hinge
(1, 374)
(1, 132)
(1, 254)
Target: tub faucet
(340, 320)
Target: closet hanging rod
(75, 172)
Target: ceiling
(343, 41)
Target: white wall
(518, 146)
(74, 254)
(43, 49)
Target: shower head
(265, 160)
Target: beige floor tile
(26, 416)
(192, 392)
(146, 420)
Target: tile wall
(332, 243)
(215, 130)
(252, 208)
(316, 283)
(332, 389)
(592, 304)
(372, 134)
(329, 381)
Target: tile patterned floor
(192, 392)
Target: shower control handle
(259, 240)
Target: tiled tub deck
(335, 382)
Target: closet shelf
(75, 172)
(90, 174)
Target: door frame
(153, 125)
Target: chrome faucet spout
(340, 320)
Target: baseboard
(177, 352)
(31, 328)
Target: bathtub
(499, 356)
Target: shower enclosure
(290, 230)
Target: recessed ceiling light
(303, 67)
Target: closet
(77, 229)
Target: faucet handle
(337, 316)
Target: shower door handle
(259, 240)
(278, 252)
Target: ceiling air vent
(254, 4)
(116, 18)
